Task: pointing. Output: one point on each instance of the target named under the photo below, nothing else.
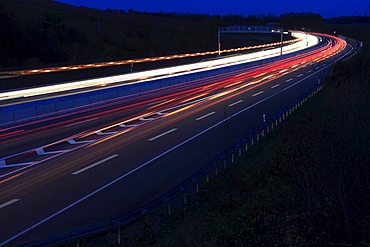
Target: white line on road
(237, 102)
(309, 71)
(289, 80)
(88, 120)
(275, 86)
(145, 164)
(95, 164)
(299, 75)
(8, 203)
(207, 115)
(317, 68)
(257, 93)
(165, 133)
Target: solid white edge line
(95, 164)
(237, 102)
(84, 121)
(8, 203)
(257, 93)
(148, 162)
(207, 115)
(165, 133)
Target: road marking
(165, 133)
(275, 86)
(257, 93)
(207, 115)
(95, 164)
(299, 75)
(317, 68)
(143, 165)
(8, 203)
(41, 151)
(237, 102)
(289, 80)
(309, 71)
(88, 120)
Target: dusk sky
(327, 8)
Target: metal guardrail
(178, 197)
(248, 29)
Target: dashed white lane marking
(165, 133)
(8, 203)
(41, 151)
(299, 75)
(95, 164)
(317, 68)
(141, 166)
(257, 93)
(289, 80)
(88, 120)
(309, 71)
(237, 102)
(207, 115)
(275, 86)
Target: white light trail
(132, 78)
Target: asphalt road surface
(74, 171)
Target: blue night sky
(327, 8)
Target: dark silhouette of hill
(40, 32)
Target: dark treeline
(34, 33)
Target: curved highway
(66, 173)
(303, 41)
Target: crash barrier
(178, 198)
(40, 109)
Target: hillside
(41, 32)
(44, 32)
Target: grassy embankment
(305, 184)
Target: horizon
(328, 9)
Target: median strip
(95, 164)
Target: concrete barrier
(23, 112)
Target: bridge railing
(246, 29)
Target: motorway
(78, 170)
(132, 78)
